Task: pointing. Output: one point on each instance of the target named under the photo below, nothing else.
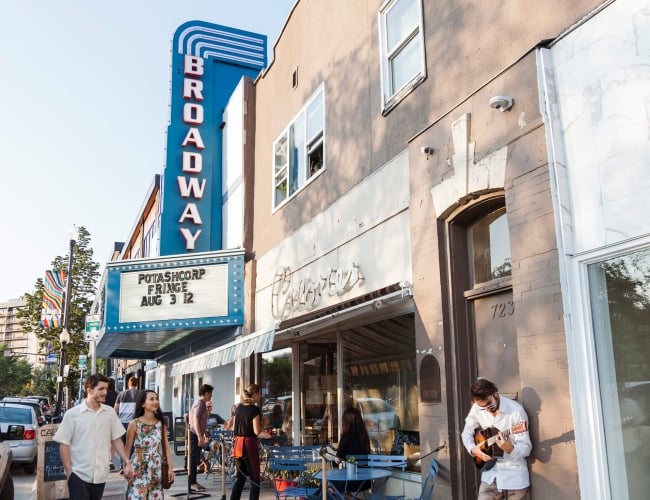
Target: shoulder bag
(166, 483)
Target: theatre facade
(409, 196)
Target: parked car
(45, 405)
(24, 451)
(6, 481)
(34, 403)
(378, 415)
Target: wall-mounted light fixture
(501, 102)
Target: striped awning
(240, 348)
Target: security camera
(501, 102)
(426, 150)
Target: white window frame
(390, 96)
(314, 143)
(593, 467)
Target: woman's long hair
(139, 408)
(352, 421)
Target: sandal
(197, 488)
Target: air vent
(294, 78)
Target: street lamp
(64, 337)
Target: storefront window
(380, 379)
(620, 305)
(318, 406)
(276, 394)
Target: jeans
(81, 490)
(195, 458)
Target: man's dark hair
(93, 380)
(482, 389)
(133, 381)
(205, 388)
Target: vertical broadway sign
(208, 61)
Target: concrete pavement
(116, 485)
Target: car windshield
(15, 415)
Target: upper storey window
(299, 151)
(402, 49)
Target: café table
(338, 479)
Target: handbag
(166, 483)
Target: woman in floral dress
(145, 437)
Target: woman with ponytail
(247, 428)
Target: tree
(15, 374)
(44, 382)
(85, 272)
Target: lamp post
(64, 337)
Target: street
(23, 483)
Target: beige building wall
(474, 51)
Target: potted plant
(306, 478)
(283, 478)
(289, 472)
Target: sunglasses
(490, 404)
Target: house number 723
(503, 309)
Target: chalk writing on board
(53, 468)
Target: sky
(84, 99)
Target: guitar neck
(493, 439)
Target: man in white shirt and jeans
(85, 437)
(505, 476)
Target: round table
(339, 477)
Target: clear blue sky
(84, 95)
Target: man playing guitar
(496, 435)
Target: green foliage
(306, 479)
(85, 272)
(628, 297)
(44, 383)
(278, 372)
(15, 374)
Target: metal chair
(429, 481)
(388, 461)
(294, 468)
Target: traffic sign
(82, 361)
(93, 325)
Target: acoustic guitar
(487, 438)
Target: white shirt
(89, 435)
(511, 470)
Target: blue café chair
(293, 467)
(429, 481)
(387, 461)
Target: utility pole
(65, 335)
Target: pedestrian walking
(198, 420)
(85, 437)
(146, 435)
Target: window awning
(242, 347)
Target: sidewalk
(116, 485)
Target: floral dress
(146, 483)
